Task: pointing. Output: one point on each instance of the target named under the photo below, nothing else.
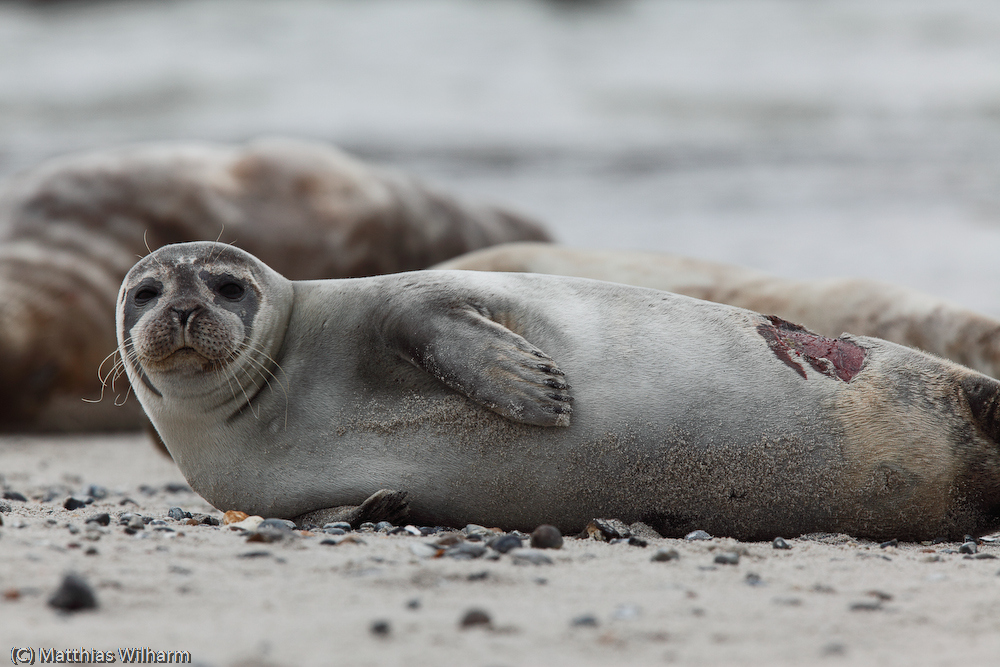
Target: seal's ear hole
(144, 295)
(231, 290)
(983, 395)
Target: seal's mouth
(184, 359)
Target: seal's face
(190, 312)
(193, 318)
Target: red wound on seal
(830, 356)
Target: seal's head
(192, 317)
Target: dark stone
(14, 495)
(335, 531)
(97, 492)
(637, 542)
(546, 537)
(968, 548)
(727, 558)
(383, 527)
(103, 519)
(127, 501)
(753, 579)
(380, 628)
(177, 487)
(177, 514)
(146, 489)
(205, 519)
(984, 557)
(891, 543)
(413, 603)
(478, 576)
(505, 543)
(254, 554)
(466, 551)
(780, 543)
(662, 555)
(74, 594)
(584, 621)
(475, 618)
(343, 525)
(605, 530)
(697, 535)
(867, 605)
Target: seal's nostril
(184, 314)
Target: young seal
(520, 399)
(828, 307)
(71, 228)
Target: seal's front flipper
(473, 354)
(383, 505)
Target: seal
(828, 307)
(520, 399)
(71, 228)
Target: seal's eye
(230, 290)
(144, 295)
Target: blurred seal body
(828, 307)
(279, 398)
(71, 228)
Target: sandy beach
(376, 599)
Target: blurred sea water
(805, 138)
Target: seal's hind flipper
(383, 505)
(475, 355)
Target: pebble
(605, 530)
(72, 503)
(449, 540)
(727, 558)
(339, 525)
(177, 514)
(546, 537)
(73, 594)
(466, 551)
(424, 550)
(335, 531)
(177, 487)
(380, 628)
(480, 532)
(968, 548)
(584, 621)
(367, 527)
(637, 542)
(530, 557)
(753, 579)
(478, 576)
(780, 543)
(4, 507)
(475, 618)
(271, 530)
(383, 527)
(413, 603)
(234, 516)
(866, 605)
(249, 524)
(505, 543)
(203, 519)
(413, 530)
(254, 554)
(985, 557)
(891, 543)
(14, 495)
(697, 535)
(103, 519)
(97, 492)
(663, 555)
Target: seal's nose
(184, 313)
